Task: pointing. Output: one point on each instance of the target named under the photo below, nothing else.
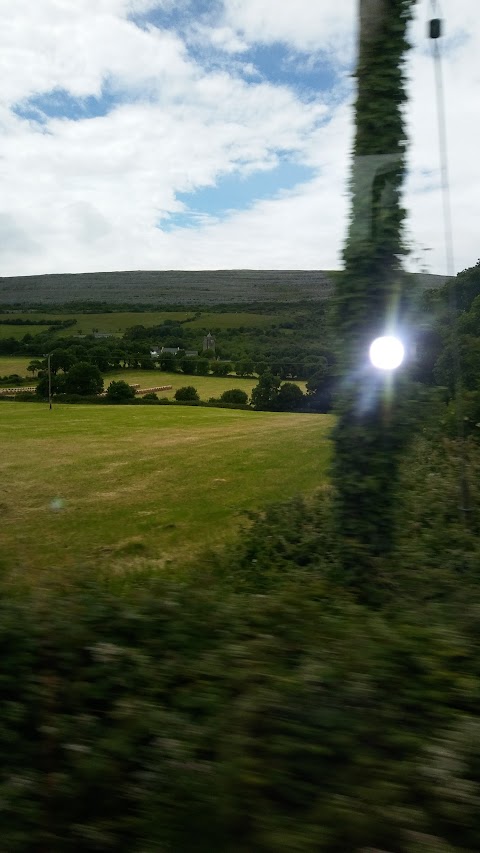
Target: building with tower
(209, 343)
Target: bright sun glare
(387, 353)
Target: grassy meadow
(115, 323)
(19, 332)
(207, 386)
(10, 364)
(125, 484)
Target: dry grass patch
(82, 479)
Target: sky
(213, 134)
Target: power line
(435, 34)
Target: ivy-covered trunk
(372, 299)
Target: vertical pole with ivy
(372, 298)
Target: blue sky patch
(234, 192)
(60, 104)
(279, 65)
(179, 15)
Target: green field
(19, 332)
(127, 484)
(115, 323)
(112, 322)
(14, 364)
(235, 320)
(207, 386)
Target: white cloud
(221, 38)
(89, 194)
(302, 24)
(14, 240)
(77, 46)
(300, 229)
(96, 188)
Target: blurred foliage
(252, 703)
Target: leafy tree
(235, 395)
(321, 388)
(100, 356)
(61, 359)
(470, 413)
(264, 395)
(147, 363)
(467, 287)
(469, 356)
(318, 377)
(221, 368)
(289, 398)
(119, 392)
(244, 368)
(136, 333)
(203, 367)
(322, 396)
(79, 352)
(167, 362)
(116, 357)
(151, 397)
(188, 365)
(187, 393)
(429, 345)
(469, 322)
(57, 386)
(10, 346)
(35, 366)
(84, 378)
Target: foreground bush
(253, 704)
(181, 717)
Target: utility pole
(371, 300)
(48, 356)
(50, 381)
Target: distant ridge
(175, 287)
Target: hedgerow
(251, 703)
(178, 716)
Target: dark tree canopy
(289, 398)
(120, 392)
(235, 395)
(188, 393)
(265, 393)
(84, 378)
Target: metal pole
(49, 381)
(436, 33)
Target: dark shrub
(234, 396)
(120, 392)
(186, 394)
